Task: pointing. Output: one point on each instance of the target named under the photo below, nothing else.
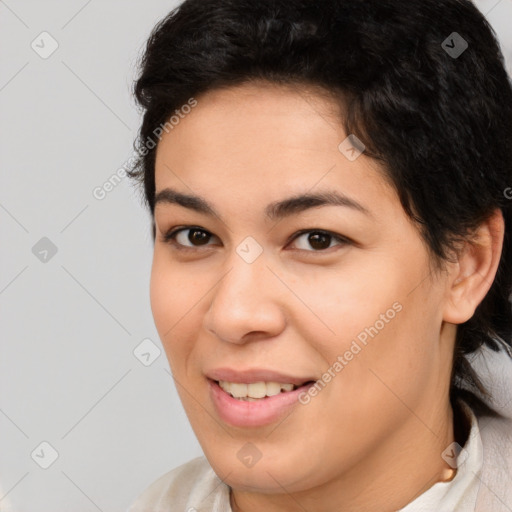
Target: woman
(330, 376)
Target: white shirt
(483, 482)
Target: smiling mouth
(256, 391)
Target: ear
(472, 275)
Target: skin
(372, 439)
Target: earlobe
(471, 277)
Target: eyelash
(170, 237)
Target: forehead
(247, 116)
(259, 139)
(280, 98)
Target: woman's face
(253, 292)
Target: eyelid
(170, 236)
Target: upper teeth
(255, 389)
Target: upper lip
(252, 375)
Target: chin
(264, 477)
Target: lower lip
(265, 411)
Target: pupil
(202, 238)
(317, 240)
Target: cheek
(375, 322)
(389, 360)
(161, 295)
(343, 305)
(173, 297)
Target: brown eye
(318, 240)
(198, 237)
(192, 238)
(188, 238)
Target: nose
(247, 303)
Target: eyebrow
(274, 211)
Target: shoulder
(191, 487)
(495, 488)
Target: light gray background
(70, 325)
